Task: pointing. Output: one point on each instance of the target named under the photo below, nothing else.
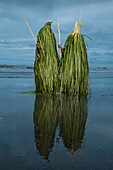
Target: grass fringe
(68, 76)
(46, 68)
(74, 71)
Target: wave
(30, 67)
(16, 71)
(100, 69)
(27, 71)
(16, 66)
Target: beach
(18, 127)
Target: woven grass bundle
(46, 61)
(74, 71)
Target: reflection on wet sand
(72, 120)
(45, 122)
(69, 111)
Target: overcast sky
(96, 16)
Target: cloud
(50, 2)
(96, 16)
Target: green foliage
(74, 71)
(46, 61)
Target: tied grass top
(46, 61)
(74, 71)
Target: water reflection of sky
(17, 46)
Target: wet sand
(20, 131)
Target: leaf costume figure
(46, 61)
(74, 70)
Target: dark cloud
(37, 12)
(49, 2)
(26, 2)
